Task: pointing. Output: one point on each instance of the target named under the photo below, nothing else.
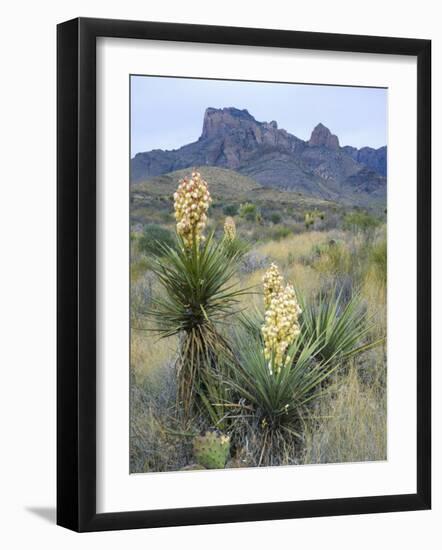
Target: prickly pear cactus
(211, 450)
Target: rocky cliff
(232, 138)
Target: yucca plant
(342, 329)
(232, 244)
(198, 291)
(198, 294)
(278, 395)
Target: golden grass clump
(148, 353)
(350, 425)
(297, 246)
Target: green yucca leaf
(197, 285)
(276, 394)
(198, 291)
(342, 328)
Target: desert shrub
(335, 259)
(275, 218)
(311, 217)
(252, 261)
(153, 236)
(249, 211)
(230, 210)
(360, 221)
(280, 233)
(166, 217)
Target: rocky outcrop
(322, 137)
(232, 138)
(376, 159)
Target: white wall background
(27, 273)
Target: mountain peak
(218, 121)
(322, 137)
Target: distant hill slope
(152, 197)
(233, 139)
(223, 183)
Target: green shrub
(280, 233)
(230, 210)
(360, 221)
(249, 211)
(275, 218)
(154, 235)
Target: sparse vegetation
(249, 211)
(231, 210)
(217, 389)
(153, 237)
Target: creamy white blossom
(230, 228)
(191, 202)
(273, 284)
(281, 324)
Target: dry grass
(294, 247)
(148, 353)
(351, 425)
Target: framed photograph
(243, 274)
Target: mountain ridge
(232, 138)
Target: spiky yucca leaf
(235, 248)
(278, 394)
(199, 292)
(277, 398)
(198, 286)
(342, 329)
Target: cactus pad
(211, 450)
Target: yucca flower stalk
(278, 370)
(199, 293)
(273, 284)
(229, 228)
(233, 245)
(191, 202)
(281, 327)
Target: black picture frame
(77, 287)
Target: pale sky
(167, 113)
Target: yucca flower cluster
(230, 228)
(191, 202)
(281, 325)
(273, 284)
